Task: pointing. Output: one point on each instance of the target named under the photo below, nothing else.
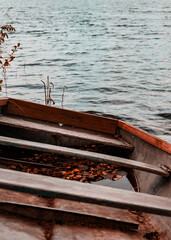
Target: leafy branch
(5, 56)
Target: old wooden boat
(35, 206)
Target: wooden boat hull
(127, 146)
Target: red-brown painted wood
(58, 115)
(3, 101)
(157, 142)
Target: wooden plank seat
(24, 144)
(59, 115)
(70, 132)
(84, 192)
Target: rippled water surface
(114, 56)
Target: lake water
(114, 56)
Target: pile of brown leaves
(152, 236)
(70, 168)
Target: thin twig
(47, 91)
(44, 90)
(50, 90)
(5, 80)
(62, 101)
(7, 15)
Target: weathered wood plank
(3, 101)
(55, 214)
(55, 129)
(120, 215)
(57, 115)
(9, 161)
(20, 143)
(154, 140)
(82, 120)
(84, 192)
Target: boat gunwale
(117, 124)
(147, 137)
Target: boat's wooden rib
(99, 138)
(58, 115)
(24, 144)
(54, 214)
(84, 192)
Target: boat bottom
(71, 168)
(14, 226)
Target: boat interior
(133, 204)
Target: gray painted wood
(99, 138)
(52, 214)
(20, 143)
(14, 228)
(84, 192)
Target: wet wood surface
(63, 116)
(24, 144)
(84, 192)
